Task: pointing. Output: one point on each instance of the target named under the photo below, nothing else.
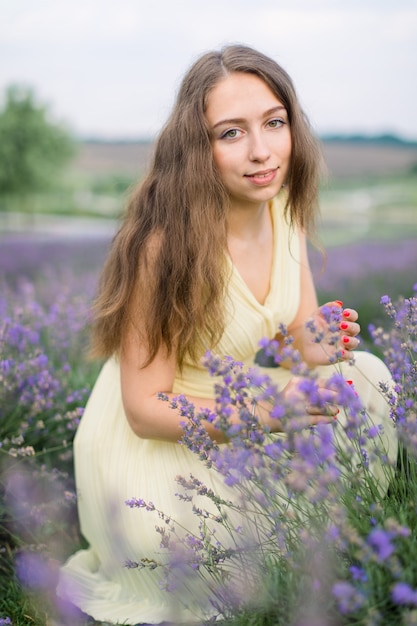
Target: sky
(110, 69)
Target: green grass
(368, 208)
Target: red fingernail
(349, 382)
(345, 339)
(339, 302)
(344, 326)
(346, 313)
(342, 352)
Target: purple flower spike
(403, 594)
(380, 541)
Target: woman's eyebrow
(240, 120)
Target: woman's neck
(249, 224)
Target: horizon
(382, 137)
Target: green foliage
(114, 184)
(32, 147)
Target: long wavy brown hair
(173, 239)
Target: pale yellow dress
(112, 464)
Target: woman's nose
(259, 148)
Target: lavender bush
(45, 381)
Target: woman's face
(251, 138)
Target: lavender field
(357, 273)
(46, 291)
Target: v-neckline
(272, 272)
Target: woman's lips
(264, 177)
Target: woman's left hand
(330, 335)
(348, 331)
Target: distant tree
(33, 148)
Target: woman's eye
(232, 133)
(276, 123)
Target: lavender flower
(402, 593)
(34, 571)
(349, 598)
(358, 573)
(381, 543)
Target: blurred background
(86, 84)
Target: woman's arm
(151, 418)
(148, 416)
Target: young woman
(211, 255)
